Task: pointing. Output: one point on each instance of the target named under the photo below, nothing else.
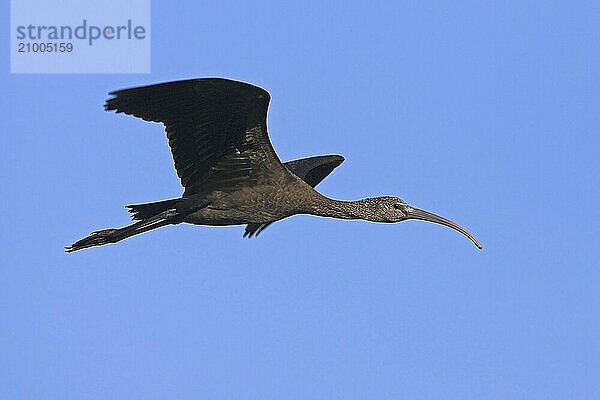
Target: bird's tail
(148, 210)
(114, 235)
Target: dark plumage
(311, 170)
(217, 131)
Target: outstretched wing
(217, 130)
(311, 170)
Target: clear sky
(484, 112)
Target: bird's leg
(106, 236)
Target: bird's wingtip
(336, 159)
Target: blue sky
(484, 112)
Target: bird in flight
(217, 132)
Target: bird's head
(393, 209)
(384, 209)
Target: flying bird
(231, 175)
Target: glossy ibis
(217, 131)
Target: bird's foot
(97, 238)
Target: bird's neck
(327, 207)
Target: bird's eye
(398, 206)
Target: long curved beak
(415, 213)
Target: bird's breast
(246, 206)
